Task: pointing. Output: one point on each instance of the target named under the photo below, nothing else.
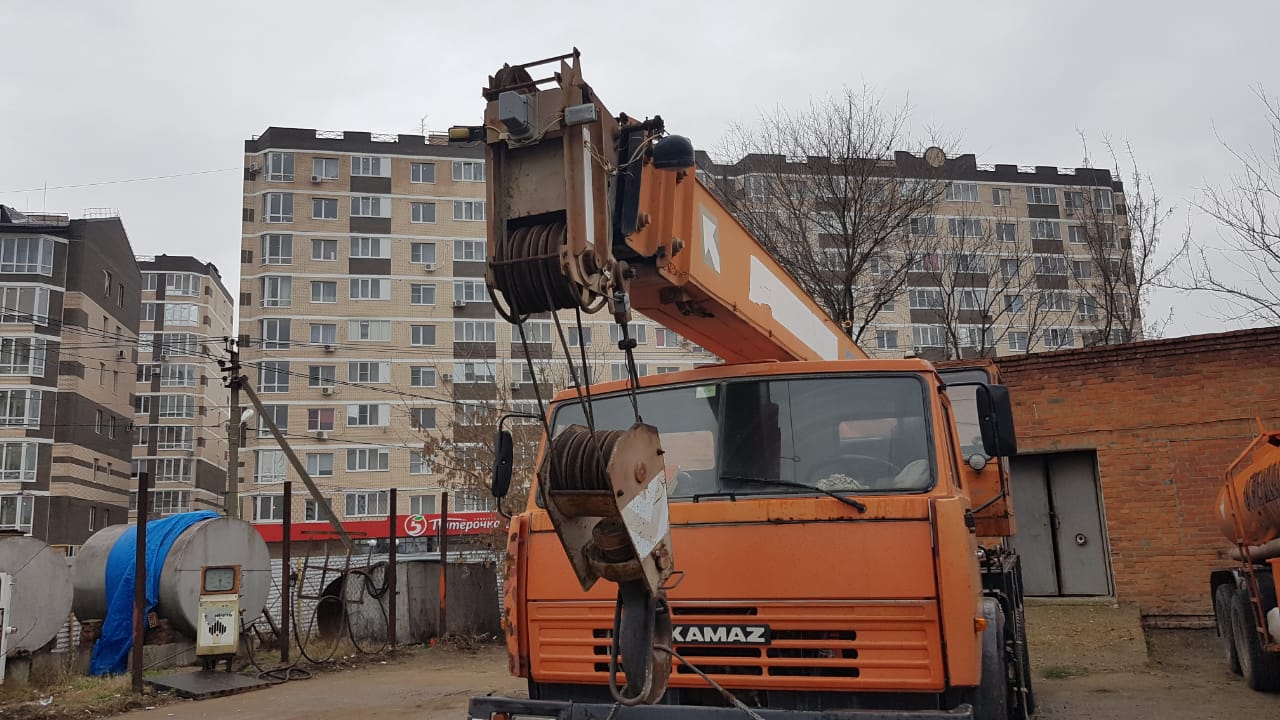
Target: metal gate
(1061, 535)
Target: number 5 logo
(415, 525)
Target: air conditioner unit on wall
(326, 390)
(316, 178)
(330, 348)
(322, 434)
(459, 303)
(428, 267)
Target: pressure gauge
(219, 579)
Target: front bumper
(483, 708)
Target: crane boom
(587, 209)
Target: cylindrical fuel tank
(41, 600)
(1253, 490)
(218, 541)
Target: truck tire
(1028, 700)
(1261, 669)
(1226, 635)
(990, 700)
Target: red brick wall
(1166, 417)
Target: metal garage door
(1060, 529)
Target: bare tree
(1246, 273)
(827, 192)
(1115, 251)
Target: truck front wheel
(1226, 635)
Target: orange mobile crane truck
(1244, 597)
(793, 533)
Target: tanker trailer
(1244, 596)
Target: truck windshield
(843, 434)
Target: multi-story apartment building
(983, 260)
(365, 322)
(180, 403)
(69, 294)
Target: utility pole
(233, 382)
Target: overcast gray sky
(108, 91)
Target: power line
(120, 182)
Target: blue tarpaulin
(111, 651)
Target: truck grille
(810, 645)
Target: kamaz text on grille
(721, 634)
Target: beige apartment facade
(180, 402)
(366, 327)
(1006, 259)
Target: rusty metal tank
(217, 541)
(41, 591)
(1249, 503)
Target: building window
(176, 406)
(467, 501)
(1001, 197)
(32, 255)
(962, 192)
(367, 415)
(148, 312)
(370, 247)
(537, 331)
(1058, 338)
(324, 291)
(324, 168)
(580, 337)
(24, 305)
(324, 249)
(468, 170)
(370, 289)
(1007, 232)
(1015, 304)
(469, 250)
(1050, 265)
(324, 333)
(1041, 195)
(975, 336)
(665, 338)
(366, 166)
(422, 212)
(172, 469)
(142, 405)
(324, 208)
(636, 330)
(1087, 307)
(475, 331)
(181, 314)
(369, 330)
(422, 172)
(422, 335)
(971, 299)
(472, 372)
(97, 421)
(273, 376)
(926, 299)
(964, 227)
(20, 407)
(419, 465)
(280, 167)
(365, 504)
(1082, 269)
(370, 206)
(18, 461)
(923, 226)
(1009, 267)
(1102, 200)
(421, 294)
(1056, 301)
(422, 376)
(277, 207)
(185, 284)
(311, 510)
(16, 512)
(278, 414)
(1045, 230)
(887, 339)
(422, 418)
(276, 333)
(367, 459)
(179, 374)
(1077, 235)
(969, 263)
(369, 372)
(320, 419)
(320, 464)
(928, 335)
(1073, 200)
(665, 369)
(469, 291)
(321, 375)
(149, 282)
(268, 508)
(929, 262)
(277, 291)
(142, 437)
(1018, 340)
(468, 210)
(277, 249)
(422, 253)
(174, 437)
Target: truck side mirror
(502, 453)
(995, 417)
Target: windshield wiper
(860, 507)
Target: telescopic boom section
(589, 210)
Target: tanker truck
(1244, 596)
